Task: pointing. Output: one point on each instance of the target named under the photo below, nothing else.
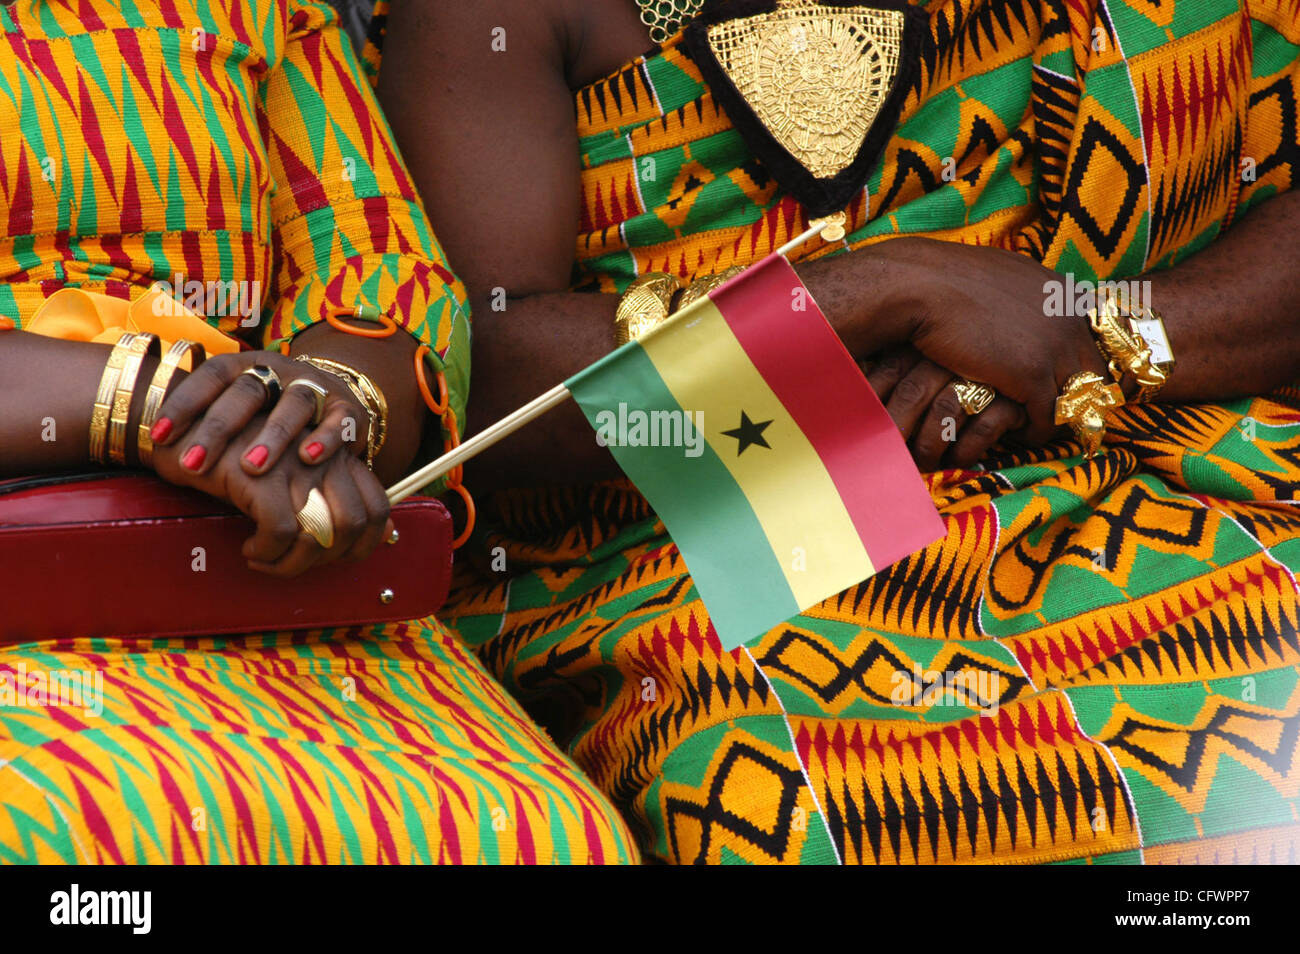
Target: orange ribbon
(76, 315)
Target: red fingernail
(257, 456)
(194, 457)
(161, 430)
(314, 449)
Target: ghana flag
(755, 436)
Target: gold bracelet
(367, 393)
(103, 407)
(143, 344)
(705, 284)
(157, 393)
(1127, 350)
(1083, 404)
(647, 302)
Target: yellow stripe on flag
(811, 533)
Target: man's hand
(919, 397)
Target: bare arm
(499, 173)
(47, 388)
(1233, 309)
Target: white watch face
(1152, 331)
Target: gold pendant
(816, 76)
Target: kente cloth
(1135, 615)
(236, 143)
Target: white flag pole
(479, 442)
(534, 408)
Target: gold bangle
(143, 344)
(368, 394)
(647, 302)
(103, 407)
(157, 393)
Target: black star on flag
(749, 433)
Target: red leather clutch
(129, 555)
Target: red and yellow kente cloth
(235, 141)
(1140, 610)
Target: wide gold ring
(318, 393)
(316, 520)
(973, 397)
(269, 380)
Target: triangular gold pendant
(813, 79)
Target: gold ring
(269, 380)
(973, 397)
(316, 520)
(318, 393)
(1083, 404)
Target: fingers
(378, 526)
(1040, 424)
(270, 504)
(982, 432)
(225, 418)
(943, 421)
(291, 414)
(195, 394)
(885, 370)
(300, 558)
(328, 438)
(359, 513)
(351, 517)
(913, 395)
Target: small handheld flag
(757, 439)
(802, 485)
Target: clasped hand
(970, 312)
(217, 434)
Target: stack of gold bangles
(116, 393)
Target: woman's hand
(273, 498)
(919, 397)
(217, 402)
(979, 313)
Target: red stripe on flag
(813, 375)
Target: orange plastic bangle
(284, 347)
(422, 381)
(7, 324)
(390, 326)
(470, 516)
(450, 443)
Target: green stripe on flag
(737, 574)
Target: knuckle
(215, 425)
(889, 364)
(351, 523)
(985, 428)
(275, 432)
(284, 530)
(947, 405)
(909, 391)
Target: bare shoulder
(585, 39)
